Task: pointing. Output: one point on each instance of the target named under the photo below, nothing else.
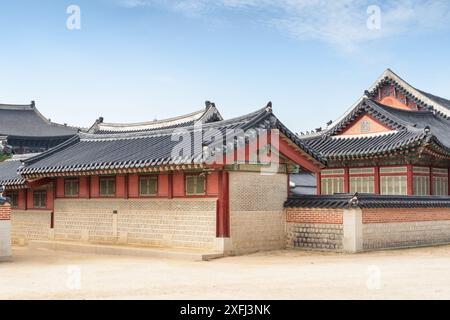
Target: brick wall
(5, 232)
(319, 216)
(30, 225)
(5, 212)
(146, 222)
(386, 215)
(257, 218)
(318, 229)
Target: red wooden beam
(222, 209)
(297, 157)
(410, 180)
(319, 183)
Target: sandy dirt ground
(401, 274)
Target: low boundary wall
(366, 224)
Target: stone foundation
(187, 223)
(314, 229)
(30, 225)
(314, 236)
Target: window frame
(362, 173)
(72, 180)
(186, 176)
(40, 193)
(336, 175)
(155, 177)
(107, 178)
(439, 174)
(16, 195)
(421, 173)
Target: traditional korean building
(26, 130)
(394, 141)
(386, 181)
(153, 186)
(381, 174)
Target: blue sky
(137, 60)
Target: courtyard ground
(401, 274)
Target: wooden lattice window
(107, 186)
(40, 199)
(71, 187)
(195, 185)
(148, 186)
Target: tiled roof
(26, 121)
(207, 115)
(422, 98)
(409, 129)
(343, 201)
(90, 152)
(9, 175)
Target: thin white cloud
(341, 23)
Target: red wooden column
(410, 180)
(346, 180)
(88, 191)
(127, 190)
(319, 183)
(223, 210)
(25, 199)
(377, 180)
(448, 181)
(170, 186)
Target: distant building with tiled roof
(206, 115)
(25, 129)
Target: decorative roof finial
(366, 94)
(100, 120)
(269, 106)
(33, 104)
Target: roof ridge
(208, 111)
(420, 95)
(19, 107)
(164, 131)
(131, 124)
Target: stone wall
(30, 225)
(398, 228)
(316, 229)
(257, 217)
(5, 232)
(355, 230)
(146, 222)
